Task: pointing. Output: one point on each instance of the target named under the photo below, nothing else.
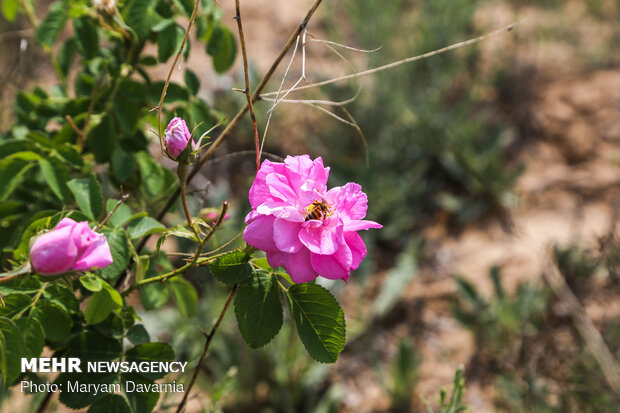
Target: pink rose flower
(302, 226)
(71, 246)
(177, 136)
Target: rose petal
(360, 224)
(54, 252)
(358, 248)
(96, 255)
(297, 265)
(331, 266)
(320, 237)
(259, 233)
(286, 235)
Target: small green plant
(455, 403)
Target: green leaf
(12, 171)
(141, 402)
(192, 82)
(319, 320)
(12, 351)
(138, 335)
(119, 247)
(86, 36)
(62, 295)
(102, 139)
(186, 6)
(123, 164)
(185, 296)
(120, 216)
(56, 176)
(222, 47)
(33, 335)
(102, 304)
(150, 352)
(169, 41)
(128, 114)
(66, 54)
(110, 403)
(88, 195)
(154, 296)
(258, 309)
(174, 93)
(55, 320)
(10, 8)
(47, 32)
(231, 268)
(91, 282)
(80, 400)
(140, 17)
(144, 226)
(152, 175)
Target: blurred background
(481, 163)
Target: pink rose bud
(177, 136)
(71, 246)
(214, 215)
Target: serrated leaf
(150, 352)
(13, 350)
(140, 227)
(91, 282)
(139, 17)
(319, 320)
(66, 54)
(141, 402)
(55, 19)
(56, 176)
(258, 309)
(138, 335)
(86, 36)
(154, 176)
(12, 171)
(222, 47)
(119, 247)
(102, 139)
(87, 195)
(123, 164)
(101, 305)
(192, 82)
(120, 216)
(169, 41)
(33, 335)
(55, 320)
(185, 296)
(110, 403)
(231, 268)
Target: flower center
(318, 210)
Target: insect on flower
(301, 225)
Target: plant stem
(247, 81)
(206, 347)
(235, 121)
(174, 63)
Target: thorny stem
(247, 81)
(174, 63)
(233, 123)
(107, 217)
(182, 174)
(206, 347)
(212, 231)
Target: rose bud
(177, 137)
(71, 246)
(212, 214)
